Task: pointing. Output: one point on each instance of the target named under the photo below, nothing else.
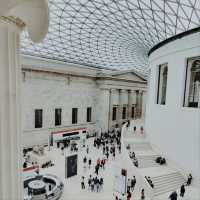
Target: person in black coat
(133, 182)
(182, 191)
(173, 196)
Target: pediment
(129, 76)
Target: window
(162, 84)
(192, 87)
(132, 112)
(114, 113)
(58, 116)
(38, 118)
(89, 114)
(74, 115)
(124, 113)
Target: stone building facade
(111, 96)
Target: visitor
(104, 150)
(134, 129)
(107, 155)
(128, 195)
(62, 149)
(89, 163)
(142, 195)
(189, 179)
(50, 187)
(173, 196)
(82, 183)
(133, 182)
(87, 149)
(114, 155)
(97, 184)
(141, 130)
(101, 183)
(119, 147)
(25, 165)
(84, 160)
(97, 169)
(182, 191)
(98, 161)
(103, 163)
(92, 185)
(89, 182)
(128, 184)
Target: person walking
(128, 195)
(173, 196)
(89, 162)
(128, 184)
(89, 182)
(142, 195)
(133, 182)
(82, 183)
(182, 191)
(87, 149)
(97, 169)
(189, 179)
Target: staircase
(146, 161)
(167, 183)
(140, 146)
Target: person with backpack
(133, 182)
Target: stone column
(199, 95)
(137, 104)
(119, 113)
(131, 101)
(10, 111)
(129, 105)
(144, 104)
(140, 103)
(123, 101)
(15, 15)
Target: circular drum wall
(173, 127)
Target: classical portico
(126, 101)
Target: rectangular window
(58, 116)
(89, 114)
(38, 118)
(162, 84)
(114, 113)
(124, 113)
(192, 83)
(132, 112)
(74, 115)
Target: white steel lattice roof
(114, 34)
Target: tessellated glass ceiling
(114, 34)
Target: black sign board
(71, 166)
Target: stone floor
(72, 186)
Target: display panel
(71, 167)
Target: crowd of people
(95, 183)
(110, 144)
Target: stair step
(167, 182)
(166, 178)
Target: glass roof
(115, 34)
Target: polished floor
(72, 186)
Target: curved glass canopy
(115, 34)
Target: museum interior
(99, 99)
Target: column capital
(13, 21)
(32, 14)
